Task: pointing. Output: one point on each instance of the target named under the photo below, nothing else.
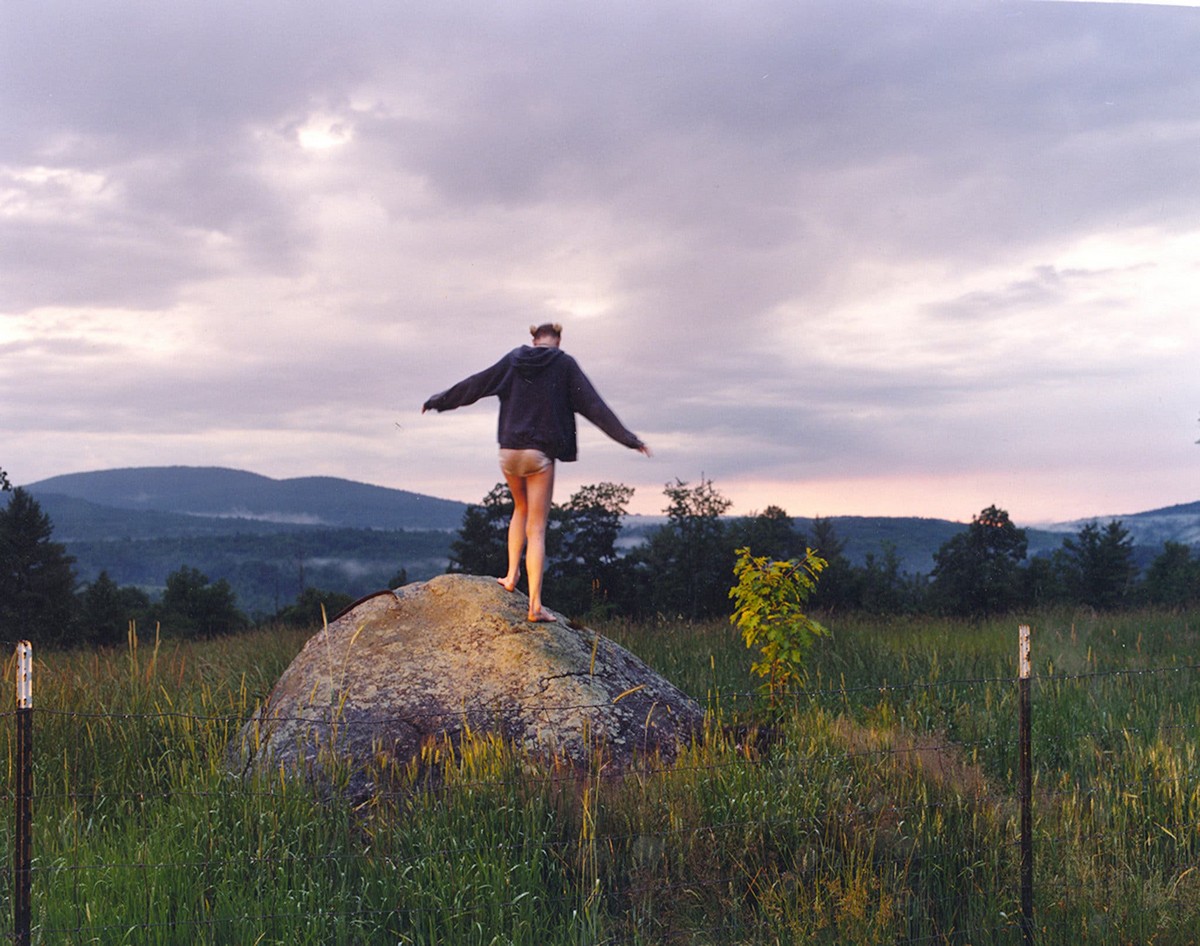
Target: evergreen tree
(1173, 578)
(1042, 582)
(882, 588)
(399, 579)
(838, 588)
(37, 582)
(1099, 565)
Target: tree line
(681, 569)
(269, 570)
(684, 567)
(40, 599)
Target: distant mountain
(216, 493)
(268, 538)
(1180, 523)
(154, 502)
(912, 539)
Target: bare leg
(539, 491)
(516, 531)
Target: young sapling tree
(769, 602)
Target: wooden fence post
(1025, 774)
(23, 848)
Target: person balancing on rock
(541, 389)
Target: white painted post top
(24, 675)
(1023, 653)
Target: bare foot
(506, 584)
(541, 616)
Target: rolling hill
(1179, 523)
(270, 538)
(220, 493)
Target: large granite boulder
(455, 654)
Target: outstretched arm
(484, 384)
(586, 400)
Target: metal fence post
(1025, 775)
(23, 848)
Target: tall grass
(878, 807)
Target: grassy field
(878, 808)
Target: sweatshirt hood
(531, 360)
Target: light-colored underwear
(522, 463)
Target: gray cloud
(790, 240)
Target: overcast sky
(877, 258)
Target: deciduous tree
(192, 605)
(771, 533)
(482, 544)
(689, 559)
(1042, 581)
(105, 610)
(313, 608)
(978, 571)
(587, 573)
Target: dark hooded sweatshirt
(541, 389)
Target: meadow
(876, 806)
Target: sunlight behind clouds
(322, 132)
(794, 245)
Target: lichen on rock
(434, 660)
